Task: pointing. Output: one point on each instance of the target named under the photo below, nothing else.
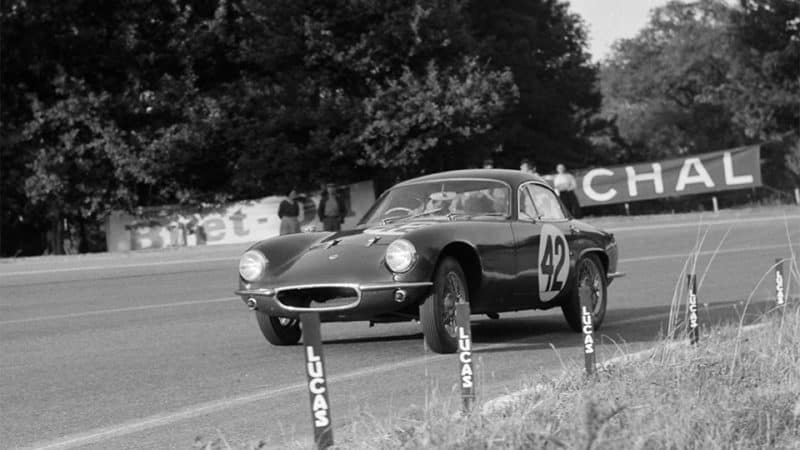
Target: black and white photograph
(419, 224)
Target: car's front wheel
(279, 330)
(588, 273)
(438, 313)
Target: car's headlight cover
(401, 256)
(252, 265)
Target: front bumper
(365, 301)
(611, 276)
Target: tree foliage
(764, 86)
(703, 76)
(115, 104)
(441, 110)
(544, 45)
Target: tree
(92, 88)
(544, 45)
(338, 68)
(763, 90)
(81, 164)
(703, 76)
(145, 102)
(656, 85)
(441, 110)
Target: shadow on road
(620, 327)
(361, 340)
(529, 331)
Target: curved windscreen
(444, 198)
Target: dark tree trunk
(57, 244)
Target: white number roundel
(553, 262)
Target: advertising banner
(708, 172)
(239, 222)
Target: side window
(526, 208)
(546, 203)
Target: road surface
(151, 349)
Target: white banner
(240, 222)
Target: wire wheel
(591, 277)
(279, 330)
(438, 312)
(453, 294)
(287, 322)
(589, 274)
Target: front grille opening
(321, 297)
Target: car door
(543, 256)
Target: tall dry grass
(680, 397)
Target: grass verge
(708, 396)
(678, 396)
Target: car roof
(512, 177)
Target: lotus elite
(499, 240)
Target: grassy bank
(737, 389)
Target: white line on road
(158, 420)
(190, 412)
(122, 266)
(705, 252)
(664, 226)
(118, 310)
(234, 258)
(639, 319)
(195, 302)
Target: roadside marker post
(780, 292)
(587, 325)
(317, 381)
(466, 374)
(694, 325)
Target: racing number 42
(555, 252)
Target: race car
(499, 240)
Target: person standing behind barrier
(526, 166)
(289, 213)
(565, 184)
(331, 209)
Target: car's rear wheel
(589, 273)
(438, 313)
(279, 330)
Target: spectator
(488, 163)
(289, 213)
(527, 166)
(331, 210)
(565, 185)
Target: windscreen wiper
(411, 216)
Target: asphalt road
(151, 349)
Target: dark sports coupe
(498, 239)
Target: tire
(588, 272)
(438, 313)
(279, 330)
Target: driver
(478, 202)
(437, 205)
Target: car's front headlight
(252, 265)
(400, 255)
